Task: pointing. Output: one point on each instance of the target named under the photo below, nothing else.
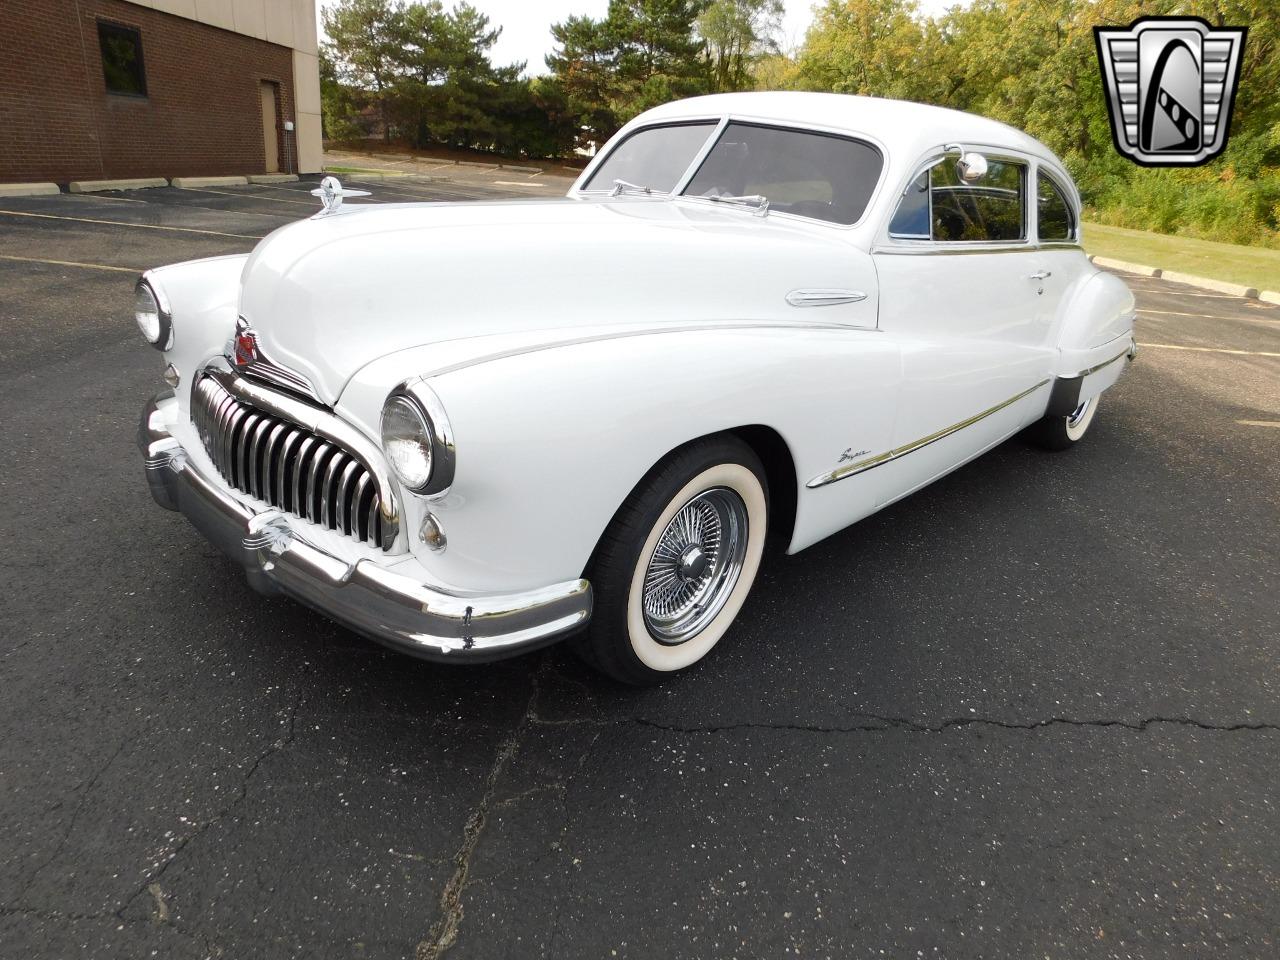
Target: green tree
(583, 75)
(643, 53)
(738, 34)
(366, 46)
(659, 58)
(339, 103)
(869, 47)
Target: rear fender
(1096, 341)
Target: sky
(526, 33)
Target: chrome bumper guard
(388, 607)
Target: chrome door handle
(1041, 275)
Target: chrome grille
(286, 465)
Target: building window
(122, 59)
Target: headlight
(407, 441)
(417, 439)
(151, 311)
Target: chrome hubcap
(695, 565)
(692, 564)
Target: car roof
(906, 128)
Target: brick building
(106, 89)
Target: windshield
(654, 157)
(808, 174)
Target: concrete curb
(1235, 289)
(189, 183)
(512, 166)
(1126, 266)
(273, 178)
(1204, 283)
(27, 189)
(95, 186)
(481, 166)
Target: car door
(960, 291)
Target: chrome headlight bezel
(146, 285)
(422, 402)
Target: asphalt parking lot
(1031, 711)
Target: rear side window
(653, 157)
(1055, 217)
(939, 206)
(801, 172)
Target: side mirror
(971, 167)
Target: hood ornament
(331, 192)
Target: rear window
(815, 175)
(1056, 220)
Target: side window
(911, 221)
(1056, 220)
(939, 206)
(990, 209)
(122, 67)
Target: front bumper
(385, 606)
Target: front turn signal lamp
(151, 310)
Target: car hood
(329, 295)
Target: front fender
(551, 441)
(203, 295)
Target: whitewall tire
(1062, 433)
(677, 562)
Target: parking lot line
(1206, 316)
(1259, 423)
(70, 263)
(224, 193)
(99, 196)
(125, 223)
(1175, 346)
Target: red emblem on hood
(246, 348)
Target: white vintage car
(466, 430)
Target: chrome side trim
(400, 611)
(806, 297)
(930, 248)
(648, 332)
(324, 424)
(858, 466)
(1126, 352)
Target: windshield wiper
(624, 186)
(761, 204)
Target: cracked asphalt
(1029, 712)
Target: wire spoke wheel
(695, 565)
